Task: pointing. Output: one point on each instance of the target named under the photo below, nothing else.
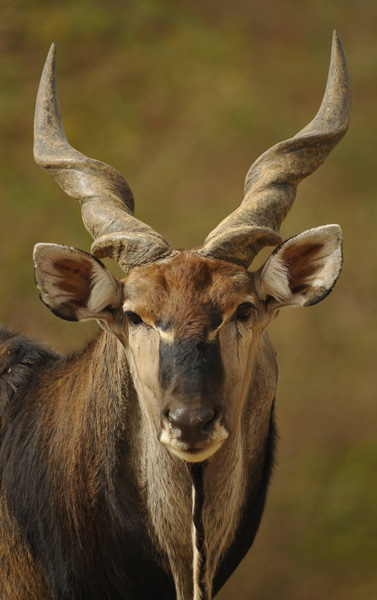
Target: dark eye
(134, 318)
(244, 310)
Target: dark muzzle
(191, 425)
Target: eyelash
(243, 311)
(242, 314)
(134, 318)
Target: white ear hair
(274, 280)
(304, 269)
(103, 289)
(74, 284)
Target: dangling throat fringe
(201, 588)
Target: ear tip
(38, 250)
(41, 248)
(334, 230)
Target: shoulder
(19, 358)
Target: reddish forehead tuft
(188, 292)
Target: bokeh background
(181, 97)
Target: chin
(194, 455)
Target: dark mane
(252, 514)
(20, 360)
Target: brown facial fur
(192, 353)
(189, 294)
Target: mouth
(195, 454)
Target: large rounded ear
(303, 270)
(74, 285)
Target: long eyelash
(133, 317)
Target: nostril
(191, 422)
(206, 418)
(174, 419)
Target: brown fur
(15, 558)
(95, 501)
(190, 297)
(81, 435)
(186, 293)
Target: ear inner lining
(73, 284)
(301, 265)
(74, 278)
(304, 269)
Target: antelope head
(192, 323)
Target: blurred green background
(181, 97)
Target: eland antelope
(138, 468)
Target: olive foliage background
(181, 97)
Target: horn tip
(336, 45)
(337, 51)
(47, 113)
(48, 72)
(336, 40)
(339, 73)
(50, 60)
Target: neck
(196, 512)
(88, 417)
(192, 513)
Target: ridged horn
(107, 203)
(272, 180)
